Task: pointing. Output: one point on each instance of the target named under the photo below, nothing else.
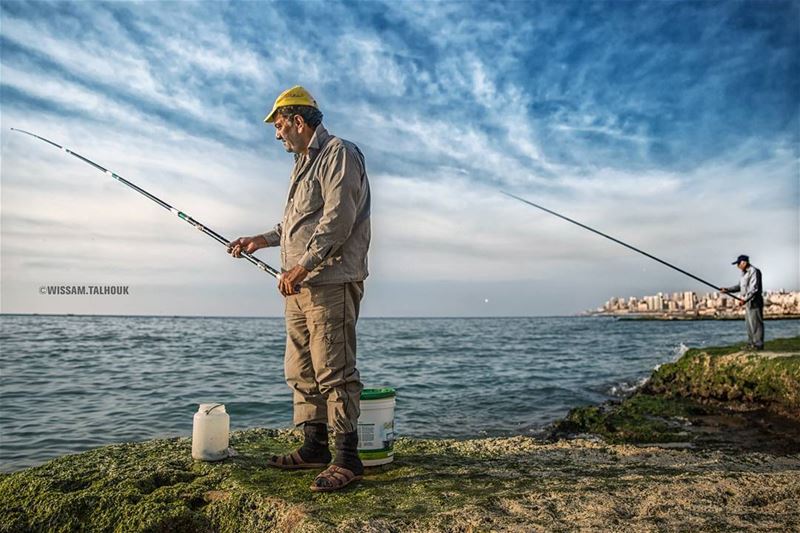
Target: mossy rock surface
(770, 377)
(509, 484)
(641, 418)
(717, 396)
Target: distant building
(689, 304)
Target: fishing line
(626, 245)
(183, 216)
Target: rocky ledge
(654, 461)
(724, 397)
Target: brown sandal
(293, 461)
(334, 478)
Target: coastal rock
(723, 397)
(770, 378)
(508, 484)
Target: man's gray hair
(311, 115)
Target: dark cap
(740, 259)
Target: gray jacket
(326, 226)
(750, 287)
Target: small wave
(676, 353)
(624, 388)
(679, 351)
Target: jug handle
(213, 407)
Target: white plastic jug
(210, 432)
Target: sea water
(70, 383)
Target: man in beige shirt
(324, 238)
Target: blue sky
(672, 125)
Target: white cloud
(372, 64)
(127, 67)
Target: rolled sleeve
(341, 190)
(273, 237)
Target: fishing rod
(183, 216)
(626, 245)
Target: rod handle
(296, 287)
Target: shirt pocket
(308, 197)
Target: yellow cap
(294, 96)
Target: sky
(674, 126)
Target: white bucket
(376, 426)
(210, 432)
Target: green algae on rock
(770, 377)
(507, 484)
(702, 384)
(642, 418)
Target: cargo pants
(320, 361)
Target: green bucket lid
(378, 394)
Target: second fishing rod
(626, 245)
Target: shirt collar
(315, 145)
(318, 140)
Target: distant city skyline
(780, 302)
(671, 125)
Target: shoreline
(704, 444)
